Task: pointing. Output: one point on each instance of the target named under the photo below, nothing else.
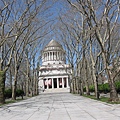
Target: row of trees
(22, 28)
(90, 31)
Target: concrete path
(59, 106)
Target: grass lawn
(102, 99)
(8, 101)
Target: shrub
(117, 84)
(19, 93)
(8, 93)
(101, 88)
(84, 89)
(92, 88)
(104, 88)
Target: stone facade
(54, 72)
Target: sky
(53, 12)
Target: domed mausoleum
(54, 72)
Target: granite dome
(53, 45)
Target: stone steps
(57, 90)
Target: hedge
(104, 88)
(117, 84)
(19, 93)
(8, 93)
(91, 88)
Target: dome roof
(53, 43)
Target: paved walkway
(59, 106)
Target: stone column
(62, 83)
(49, 55)
(45, 57)
(47, 84)
(53, 55)
(67, 83)
(43, 84)
(57, 83)
(57, 56)
(61, 56)
(52, 83)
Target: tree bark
(27, 81)
(113, 91)
(2, 87)
(14, 85)
(94, 71)
(86, 77)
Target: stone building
(54, 72)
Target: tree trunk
(87, 88)
(14, 85)
(113, 92)
(85, 73)
(94, 75)
(36, 86)
(73, 86)
(73, 82)
(27, 79)
(27, 86)
(80, 89)
(78, 86)
(81, 92)
(95, 78)
(31, 87)
(2, 87)
(86, 78)
(10, 78)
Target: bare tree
(102, 18)
(18, 29)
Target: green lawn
(102, 99)
(8, 101)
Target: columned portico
(52, 83)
